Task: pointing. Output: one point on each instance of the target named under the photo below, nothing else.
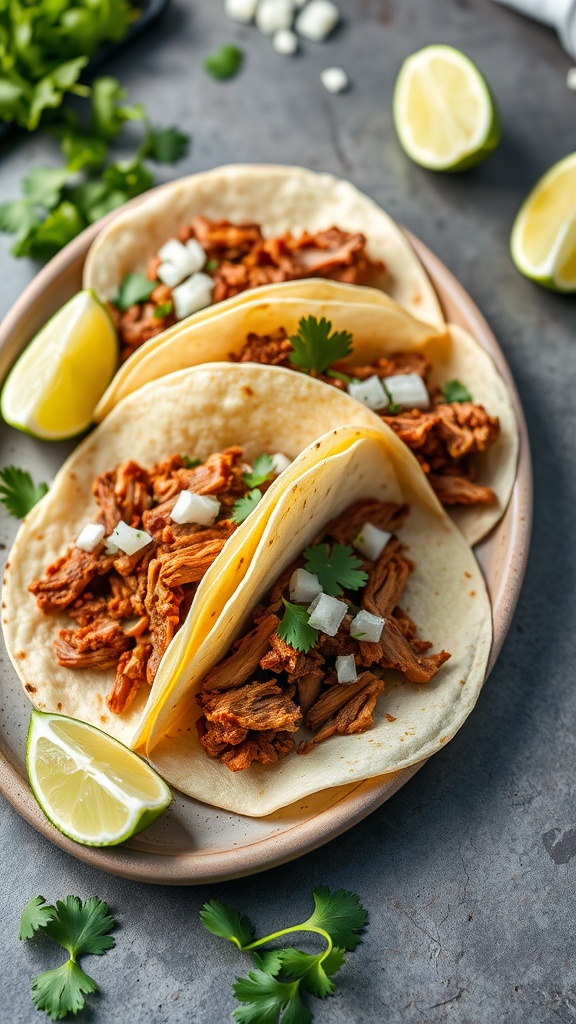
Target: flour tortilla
(196, 412)
(445, 595)
(277, 198)
(379, 328)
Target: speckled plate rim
(503, 556)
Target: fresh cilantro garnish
(165, 145)
(135, 288)
(80, 928)
(242, 508)
(212, 265)
(455, 391)
(262, 469)
(295, 627)
(275, 989)
(190, 463)
(163, 310)
(18, 492)
(225, 62)
(393, 409)
(336, 375)
(108, 112)
(336, 569)
(315, 348)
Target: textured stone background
(469, 871)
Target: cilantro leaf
(222, 920)
(313, 970)
(335, 569)
(135, 288)
(18, 218)
(340, 914)
(35, 915)
(266, 998)
(59, 228)
(268, 960)
(163, 310)
(130, 177)
(315, 348)
(82, 149)
(18, 492)
(43, 185)
(190, 463)
(455, 391)
(61, 991)
(262, 469)
(211, 266)
(295, 627)
(108, 114)
(82, 927)
(225, 62)
(242, 508)
(165, 145)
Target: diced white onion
(195, 508)
(314, 604)
(240, 10)
(370, 392)
(192, 295)
(129, 540)
(274, 15)
(172, 251)
(370, 541)
(90, 536)
(110, 547)
(334, 79)
(280, 462)
(285, 41)
(170, 274)
(317, 20)
(328, 614)
(304, 586)
(196, 255)
(179, 261)
(368, 627)
(346, 668)
(408, 391)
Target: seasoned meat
(163, 607)
(96, 646)
(256, 706)
(352, 711)
(68, 576)
(130, 676)
(457, 490)
(243, 662)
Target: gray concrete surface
(469, 872)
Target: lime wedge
(53, 389)
(90, 786)
(543, 241)
(444, 112)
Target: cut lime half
(543, 241)
(89, 785)
(53, 389)
(444, 112)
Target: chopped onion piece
(346, 668)
(172, 251)
(328, 614)
(90, 536)
(370, 541)
(367, 627)
(370, 392)
(196, 255)
(334, 79)
(179, 261)
(408, 391)
(240, 10)
(170, 274)
(195, 508)
(129, 540)
(285, 41)
(192, 295)
(280, 462)
(314, 604)
(317, 20)
(304, 586)
(274, 15)
(110, 547)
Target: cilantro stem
(287, 931)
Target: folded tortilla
(379, 327)
(445, 596)
(277, 198)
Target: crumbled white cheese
(240, 10)
(273, 16)
(346, 668)
(328, 614)
(90, 536)
(334, 79)
(317, 20)
(129, 540)
(370, 392)
(285, 41)
(195, 508)
(192, 295)
(304, 586)
(370, 541)
(280, 462)
(367, 627)
(571, 79)
(407, 390)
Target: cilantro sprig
(18, 492)
(455, 391)
(225, 62)
(337, 568)
(315, 347)
(242, 508)
(80, 927)
(262, 470)
(295, 627)
(284, 975)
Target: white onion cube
(90, 536)
(317, 20)
(370, 541)
(172, 251)
(304, 586)
(240, 10)
(314, 604)
(192, 295)
(129, 540)
(346, 669)
(334, 79)
(273, 16)
(328, 614)
(367, 627)
(170, 274)
(408, 391)
(196, 255)
(370, 392)
(195, 508)
(280, 462)
(285, 41)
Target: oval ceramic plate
(194, 843)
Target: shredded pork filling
(238, 258)
(127, 608)
(256, 699)
(445, 439)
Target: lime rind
(548, 272)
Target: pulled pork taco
(355, 645)
(213, 236)
(438, 390)
(160, 508)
